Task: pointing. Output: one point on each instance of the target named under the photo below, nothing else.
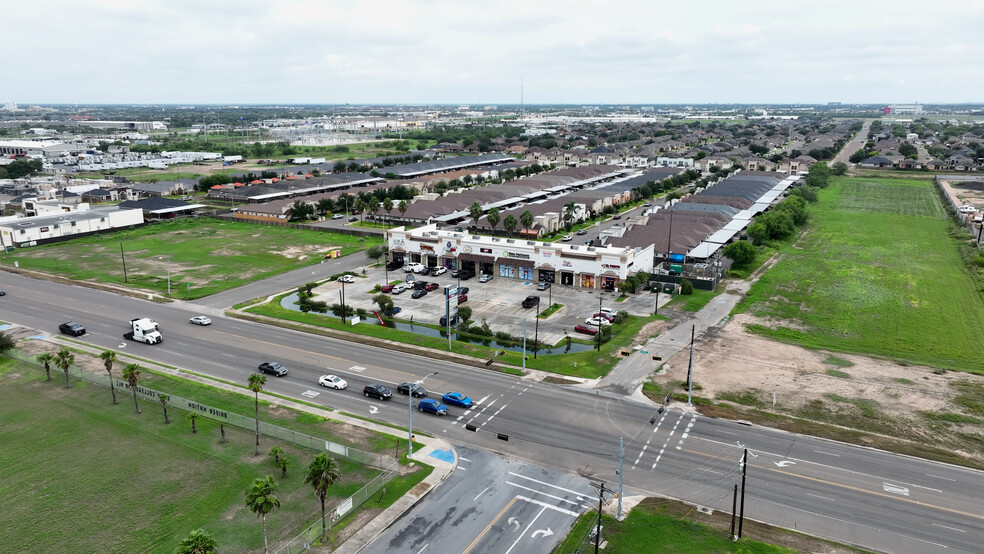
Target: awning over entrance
(476, 258)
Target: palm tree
(108, 357)
(372, 206)
(276, 451)
(198, 542)
(261, 499)
(388, 206)
(322, 474)
(569, 213)
(64, 360)
(402, 208)
(360, 206)
(510, 224)
(255, 383)
(282, 463)
(131, 372)
(526, 218)
(493, 218)
(46, 359)
(192, 417)
(163, 400)
(475, 211)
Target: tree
(493, 218)
(464, 314)
(686, 287)
(372, 206)
(839, 168)
(282, 463)
(322, 474)
(388, 207)
(131, 373)
(360, 206)
(475, 211)
(261, 499)
(255, 383)
(46, 359)
(192, 417)
(402, 208)
(384, 301)
(908, 150)
(510, 224)
(741, 252)
(818, 175)
(300, 211)
(275, 451)
(859, 156)
(108, 357)
(325, 205)
(374, 253)
(569, 214)
(526, 218)
(6, 341)
(64, 360)
(198, 542)
(164, 399)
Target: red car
(387, 288)
(586, 329)
(432, 286)
(606, 316)
(462, 298)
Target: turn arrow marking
(784, 463)
(512, 521)
(373, 409)
(543, 532)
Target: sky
(491, 52)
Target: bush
(686, 287)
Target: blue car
(458, 399)
(432, 406)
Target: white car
(337, 216)
(439, 271)
(200, 320)
(608, 312)
(597, 321)
(347, 279)
(568, 237)
(332, 381)
(398, 289)
(485, 278)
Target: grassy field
(878, 274)
(83, 475)
(203, 256)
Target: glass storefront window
(526, 273)
(507, 271)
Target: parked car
(610, 312)
(432, 286)
(418, 390)
(419, 285)
(386, 288)
(337, 216)
(419, 293)
(444, 320)
(200, 320)
(597, 321)
(543, 285)
(398, 289)
(394, 265)
(439, 271)
(455, 272)
(432, 406)
(669, 288)
(647, 205)
(462, 298)
(462, 290)
(273, 368)
(465, 275)
(586, 329)
(582, 231)
(604, 315)
(617, 216)
(72, 328)
(485, 278)
(531, 301)
(421, 269)
(332, 381)
(567, 238)
(457, 399)
(346, 279)
(353, 219)
(378, 391)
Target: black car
(273, 368)
(531, 301)
(418, 285)
(465, 275)
(444, 320)
(419, 293)
(395, 264)
(72, 328)
(353, 219)
(418, 390)
(463, 290)
(377, 391)
(3, 292)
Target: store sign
(546, 254)
(610, 266)
(485, 250)
(507, 254)
(44, 229)
(398, 242)
(467, 249)
(567, 264)
(427, 247)
(450, 247)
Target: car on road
(531, 301)
(597, 321)
(273, 368)
(567, 238)
(485, 278)
(200, 320)
(432, 406)
(3, 292)
(418, 390)
(432, 286)
(444, 320)
(647, 205)
(582, 231)
(586, 329)
(346, 279)
(439, 271)
(72, 328)
(462, 298)
(386, 288)
(457, 399)
(333, 381)
(337, 216)
(543, 285)
(377, 391)
(353, 219)
(419, 293)
(462, 290)
(617, 216)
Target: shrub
(686, 287)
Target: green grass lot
(589, 364)
(693, 302)
(877, 273)
(83, 475)
(204, 256)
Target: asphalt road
(866, 497)
(851, 147)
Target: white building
(31, 231)
(574, 265)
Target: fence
(306, 538)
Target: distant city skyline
(443, 52)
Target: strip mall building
(566, 264)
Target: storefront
(608, 281)
(480, 262)
(515, 268)
(587, 281)
(546, 274)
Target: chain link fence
(312, 533)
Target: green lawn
(203, 256)
(83, 475)
(877, 273)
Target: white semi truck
(144, 330)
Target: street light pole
(598, 317)
(416, 385)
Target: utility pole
(744, 471)
(524, 345)
(598, 317)
(734, 510)
(536, 332)
(690, 370)
(601, 498)
(621, 456)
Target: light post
(598, 317)
(410, 412)
(342, 298)
(168, 275)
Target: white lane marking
(895, 489)
(459, 468)
(820, 497)
(939, 477)
(950, 528)
(422, 549)
(520, 537)
(482, 401)
(827, 453)
(712, 471)
(480, 494)
(557, 498)
(464, 459)
(547, 506)
(545, 484)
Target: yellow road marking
(489, 526)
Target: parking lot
(498, 301)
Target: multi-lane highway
(878, 500)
